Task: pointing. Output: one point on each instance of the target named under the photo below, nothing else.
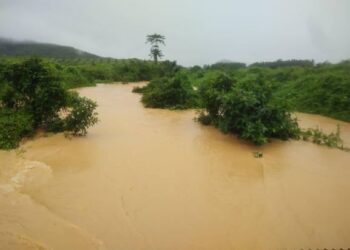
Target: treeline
(284, 63)
(81, 72)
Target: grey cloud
(197, 31)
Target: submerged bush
(81, 116)
(317, 136)
(173, 93)
(244, 108)
(14, 125)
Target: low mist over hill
(10, 47)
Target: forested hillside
(27, 48)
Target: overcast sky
(197, 31)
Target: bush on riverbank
(32, 97)
(14, 125)
(81, 116)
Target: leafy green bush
(243, 108)
(81, 116)
(33, 97)
(173, 93)
(33, 86)
(211, 92)
(14, 125)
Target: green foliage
(155, 40)
(244, 108)
(173, 93)
(74, 73)
(14, 125)
(251, 101)
(226, 66)
(211, 93)
(33, 86)
(32, 97)
(321, 92)
(254, 102)
(81, 116)
(317, 136)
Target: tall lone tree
(155, 40)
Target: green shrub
(14, 125)
(173, 93)
(33, 86)
(33, 97)
(211, 92)
(81, 116)
(243, 108)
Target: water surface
(155, 179)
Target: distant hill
(27, 48)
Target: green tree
(155, 40)
(244, 108)
(34, 87)
(33, 97)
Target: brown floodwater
(155, 179)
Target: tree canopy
(155, 40)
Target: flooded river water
(155, 179)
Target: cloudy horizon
(197, 32)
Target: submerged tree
(155, 40)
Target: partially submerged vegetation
(244, 108)
(33, 97)
(317, 136)
(34, 92)
(172, 93)
(255, 102)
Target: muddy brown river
(155, 179)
